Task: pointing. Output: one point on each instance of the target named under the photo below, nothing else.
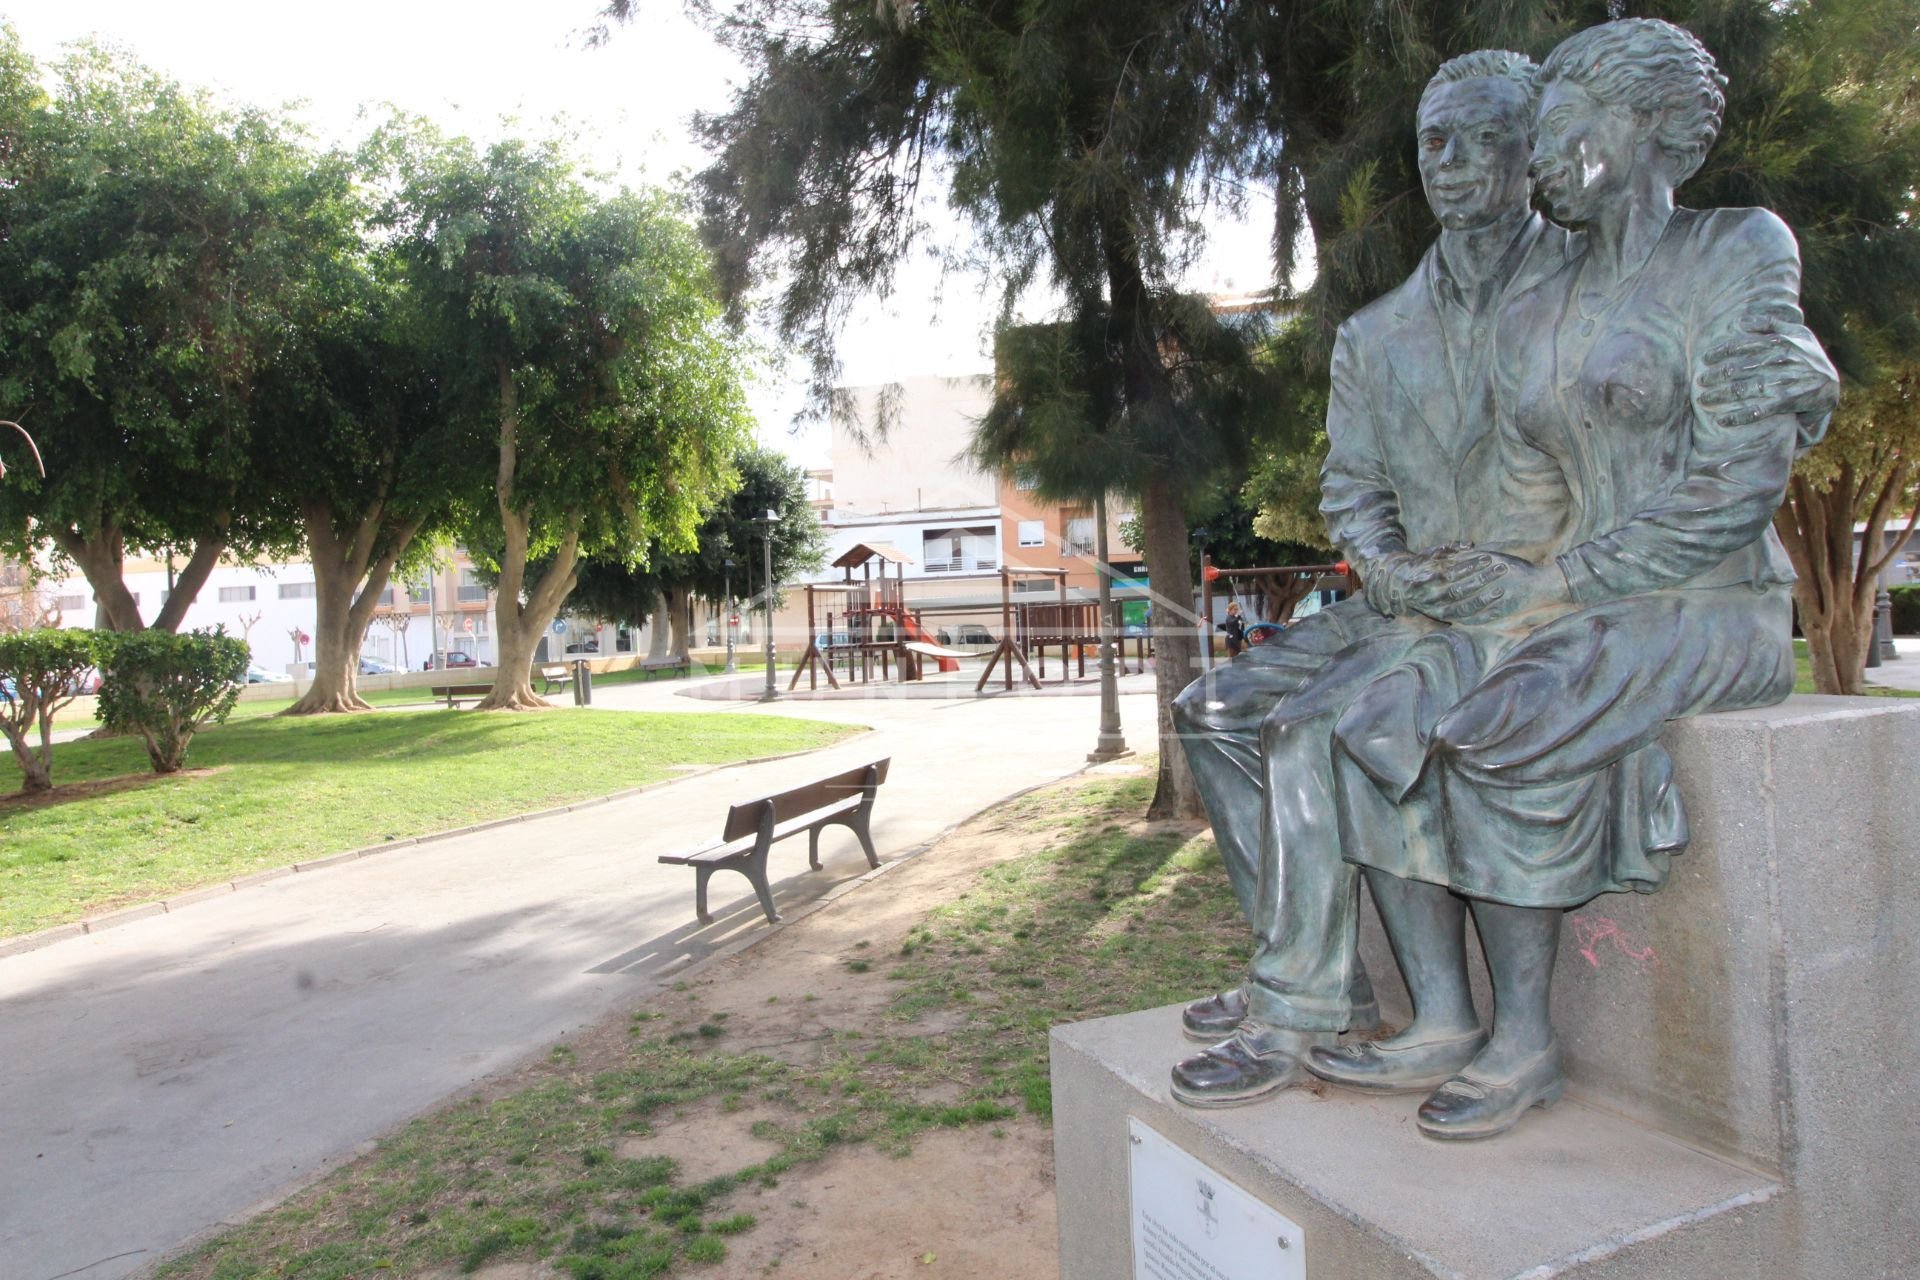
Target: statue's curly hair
(1652, 66)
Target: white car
(260, 675)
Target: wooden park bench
(454, 692)
(554, 675)
(755, 826)
(649, 667)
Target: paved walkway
(164, 1077)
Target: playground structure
(1280, 590)
(874, 629)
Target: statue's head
(1617, 98)
(1475, 137)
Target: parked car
(87, 681)
(974, 633)
(375, 667)
(589, 646)
(260, 675)
(455, 658)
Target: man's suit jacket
(1411, 459)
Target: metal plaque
(1189, 1223)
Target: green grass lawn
(283, 790)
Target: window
(68, 604)
(471, 590)
(388, 596)
(1025, 477)
(1079, 537)
(233, 595)
(1033, 533)
(294, 591)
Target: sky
(477, 66)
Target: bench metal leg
(700, 893)
(813, 846)
(755, 868)
(859, 825)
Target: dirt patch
(708, 1143)
(68, 792)
(963, 1204)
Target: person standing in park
(1236, 629)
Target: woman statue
(1517, 749)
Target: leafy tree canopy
(152, 244)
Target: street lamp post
(726, 572)
(767, 522)
(1110, 745)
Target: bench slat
(744, 819)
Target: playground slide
(915, 632)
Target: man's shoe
(1233, 1072)
(1382, 1068)
(1212, 1020)
(1470, 1105)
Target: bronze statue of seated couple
(1554, 456)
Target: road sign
(558, 628)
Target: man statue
(1410, 477)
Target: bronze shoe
(1233, 1072)
(1212, 1020)
(1378, 1067)
(1215, 1018)
(1469, 1105)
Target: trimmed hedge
(1906, 609)
(168, 687)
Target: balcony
(470, 594)
(962, 565)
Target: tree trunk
(187, 583)
(679, 606)
(1163, 515)
(350, 571)
(1176, 648)
(658, 628)
(36, 765)
(1837, 586)
(336, 664)
(522, 612)
(102, 560)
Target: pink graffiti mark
(1590, 932)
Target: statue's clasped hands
(1459, 582)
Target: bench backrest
(744, 819)
(554, 673)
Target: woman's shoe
(1471, 1105)
(1382, 1068)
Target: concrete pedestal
(1743, 1048)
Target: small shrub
(1906, 608)
(166, 687)
(40, 672)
